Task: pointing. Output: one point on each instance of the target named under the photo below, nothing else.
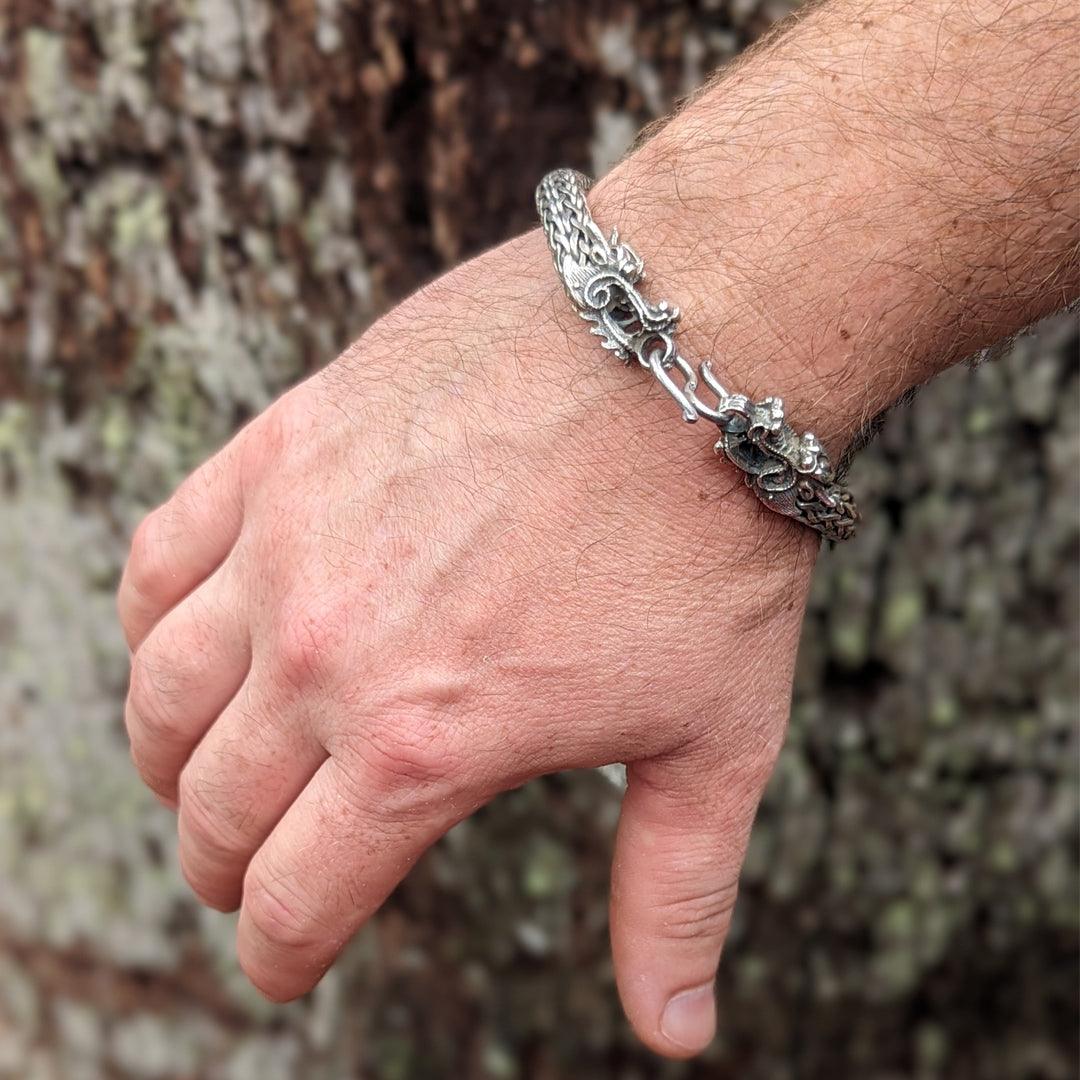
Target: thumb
(682, 837)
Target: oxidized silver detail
(790, 473)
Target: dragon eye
(626, 318)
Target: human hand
(475, 549)
(472, 550)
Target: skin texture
(475, 549)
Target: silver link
(790, 473)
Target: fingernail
(689, 1018)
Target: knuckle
(310, 643)
(410, 765)
(259, 443)
(162, 785)
(147, 570)
(152, 700)
(296, 412)
(205, 828)
(285, 423)
(209, 892)
(280, 914)
(703, 915)
(415, 754)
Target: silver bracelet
(788, 473)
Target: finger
(679, 849)
(339, 851)
(241, 778)
(182, 676)
(180, 544)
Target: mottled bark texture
(200, 200)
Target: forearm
(871, 195)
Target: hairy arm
(875, 191)
(474, 549)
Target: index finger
(180, 544)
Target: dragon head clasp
(606, 293)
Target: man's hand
(471, 551)
(475, 549)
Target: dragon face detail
(604, 289)
(790, 473)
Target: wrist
(787, 470)
(754, 289)
(860, 204)
(531, 382)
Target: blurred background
(200, 201)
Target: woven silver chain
(790, 473)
